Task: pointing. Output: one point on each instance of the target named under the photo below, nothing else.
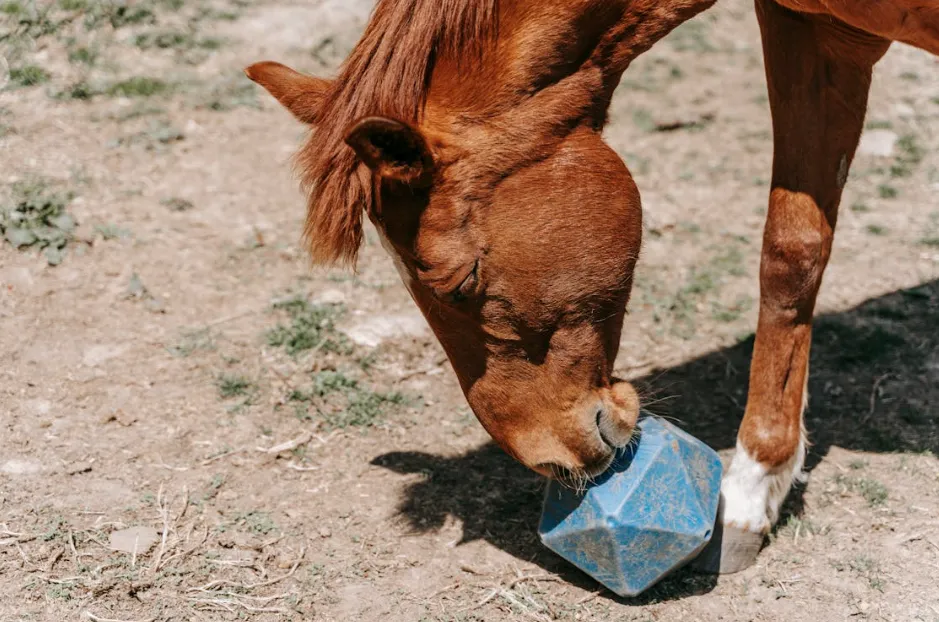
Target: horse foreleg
(819, 75)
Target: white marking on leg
(752, 494)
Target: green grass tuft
(231, 93)
(911, 154)
(12, 8)
(110, 231)
(135, 87)
(311, 327)
(83, 55)
(191, 341)
(259, 523)
(138, 86)
(230, 386)
(886, 191)
(28, 75)
(82, 90)
(37, 217)
(344, 402)
(875, 493)
(174, 39)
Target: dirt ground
(293, 438)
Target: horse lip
(594, 472)
(568, 477)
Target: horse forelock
(388, 73)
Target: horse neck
(541, 45)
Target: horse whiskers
(573, 479)
(659, 400)
(577, 480)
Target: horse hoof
(730, 550)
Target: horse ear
(392, 149)
(299, 93)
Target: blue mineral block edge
(649, 514)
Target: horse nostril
(613, 425)
(602, 427)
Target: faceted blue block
(649, 514)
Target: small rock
(378, 328)
(878, 143)
(136, 288)
(134, 539)
(330, 297)
(20, 467)
(17, 277)
(193, 127)
(154, 304)
(39, 407)
(325, 532)
(96, 355)
(904, 110)
(657, 218)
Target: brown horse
(469, 132)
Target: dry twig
(224, 454)
(290, 445)
(95, 618)
(187, 552)
(589, 597)
(296, 467)
(251, 586)
(165, 514)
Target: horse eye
(461, 293)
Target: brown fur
(469, 132)
(300, 94)
(819, 72)
(387, 74)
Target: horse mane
(388, 73)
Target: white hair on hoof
(751, 497)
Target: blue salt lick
(652, 512)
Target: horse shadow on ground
(874, 387)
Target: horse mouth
(577, 479)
